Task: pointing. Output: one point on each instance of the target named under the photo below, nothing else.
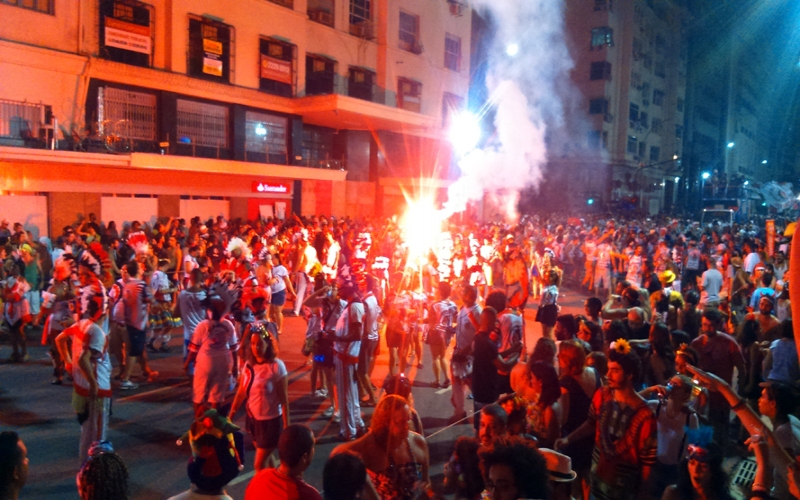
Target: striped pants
(349, 409)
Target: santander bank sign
(271, 187)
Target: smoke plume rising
(527, 91)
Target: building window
(360, 83)
(210, 49)
(633, 113)
(43, 6)
(598, 106)
(636, 80)
(659, 70)
(594, 139)
(321, 11)
(602, 36)
(679, 106)
(284, 3)
(320, 75)
(126, 35)
(658, 97)
(126, 114)
(451, 104)
(656, 126)
(632, 144)
(603, 4)
(409, 33)
(360, 18)
(202, 124)
(600, 70)
(265, 137)
(452, 52)
(409, 94)
(643, 119)
(277, 67)
(317, 145)
(655, 153)
(678, 132)
(642, 150)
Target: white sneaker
(328, 413)
(127, 385)
(337, 417)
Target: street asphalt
(146, 422)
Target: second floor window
(210, 49)
(452, 52)
(598, 106)
(265, 136)
(360, 83)
(202, 124)
(126, 35)
(43, 6)
(128, 114)
(600, 71)
(321, 11)
(409, 94)
(409, 32)
(277, 67)
(320, 75)
(602, 36)
(360, 11)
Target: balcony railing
(23, 124)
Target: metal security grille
(265, 134)
(128, 114)
(20, 119)
(202, 124)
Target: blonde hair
(574, 355)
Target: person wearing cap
(562, 477)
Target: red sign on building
(272, 187)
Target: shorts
(547, 315)
(278, 298)
(365, 355)
(137, 339)
(265, 433)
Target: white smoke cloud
(527, 92)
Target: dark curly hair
(526, 463)
(103, 477)
(469, 483)
(630, 362)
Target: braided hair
(103, 477)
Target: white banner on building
(127, 36)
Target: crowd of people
(684, 325)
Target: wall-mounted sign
(212, 57)
(127, 36)
(276, 69)
(271, 187)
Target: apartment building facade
(630, 74)
(137, 110)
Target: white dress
(213, 342)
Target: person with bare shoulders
(397, 459)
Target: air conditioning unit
(608, 118)
(321, 16)
(456, 8)
(361, 30)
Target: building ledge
(147, 161)
(350, 113)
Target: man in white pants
(346, 348)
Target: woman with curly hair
(514, 469)
(397, 459)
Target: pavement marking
(442, 391)
(154, 391)
(242, 477)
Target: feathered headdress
(65, 265)
(93, 258)
(139, 242)
(237, 245)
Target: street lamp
(731, 144)
(512, 49)
(706, 175)
(764, 162)
(746, 183)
